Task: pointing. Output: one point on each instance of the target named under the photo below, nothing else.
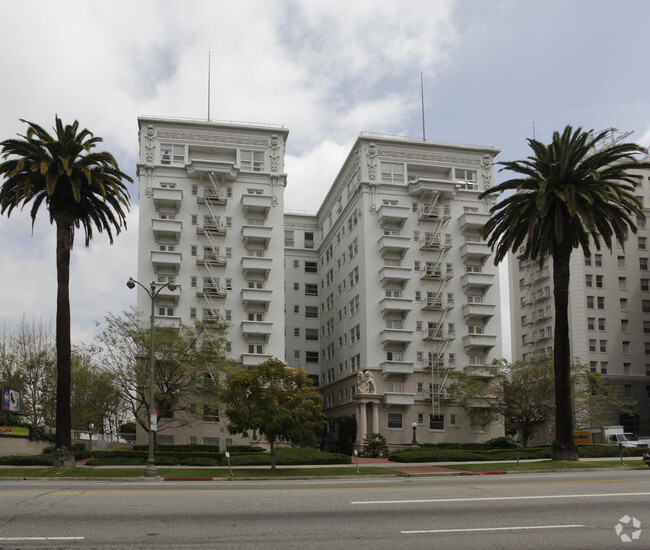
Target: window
(603, 346)
(311, 334)
(623, 304)
(599, 281)
(436, 421)
(288, 238)
(354, 305)
(645, 285)
(210, 414)
(311, 267)
(467, 178)
(394, 387)
(622, 283)
(309, 239)
(601, 302)
(642, 243)
(252, 160)
(355, 334)
(643, 264)
(354, 277)
(395, 421)
(601, 324)
(591, 323)
(311, 290)
(393, 356)
(621, 262)
(165, 311)
(645, 306)
(646, 327)
(172, 153)
(627, 390)
(627, 347)
(311, 357)
(598, 260)
(590, 302)
(589, 281)
(392, 172)
(592, 345)
(625, 325)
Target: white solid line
(484, 499)
(15, 539)
(520, 528)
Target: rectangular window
(172, 153)
(392, 172)
(311, 267)
(467, 178)
(311, 290)
(252, 160)
(395, 421)
(437, 422)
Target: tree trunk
(564, 447)
(63, 456)
(272, 444)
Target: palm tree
(80, 188)
(571, 192)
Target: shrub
(36, 460)
(374, 446)
(116, 461)
(199, 461)
(506, 442)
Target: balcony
(434, 242)
(167, 229)
(212, 227)
(479, 341)
(393, 336)
(419, 186)
(477, 281)
(396, 367)
(256, 204)
(253, 265)
(167, 198)
(479, 311)
(395, 305)
(170, 295)
(391, 215)
(252, 297)
(212, 291)
(202, 168)
(161, 259)
(435, 274)
(256, 234)
(394, 274)
(477, 250)
(437, 334)
(480, 371)
(254, 359)
(256, 329)
(399, 399)
(215, 260)
(436, 304)
(215, 197)
(394, 244)
(472, 221)
(437, 213)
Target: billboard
(10, 400)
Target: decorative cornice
(431, 157)
(211, 138)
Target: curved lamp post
(415, 441)
(150, 469)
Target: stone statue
(366, 382)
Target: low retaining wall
(20, 446)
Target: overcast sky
(495, 71)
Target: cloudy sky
(494, 72)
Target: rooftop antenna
(424, 135)
(209, 63)
(534, 131)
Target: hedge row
(464, 455)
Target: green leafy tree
(81, 188)
(568, 194)
(278, 402)
(188, 367)
(522, 394)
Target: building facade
(609, 313)
(379, 296)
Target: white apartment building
(379, 296)
(609, 313)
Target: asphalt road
(552, 510)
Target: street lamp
(415, 441)
(150, 469)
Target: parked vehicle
(614, 435)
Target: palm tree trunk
(564, 447)
(63, 456)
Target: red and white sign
(153, 420)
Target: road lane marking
(39, 539)
(486, 499)
(483, 529)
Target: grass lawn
(193, 473)
(548, 465)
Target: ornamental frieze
(431, 157)
(211, 138)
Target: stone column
(362, 427)
(375, 418)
